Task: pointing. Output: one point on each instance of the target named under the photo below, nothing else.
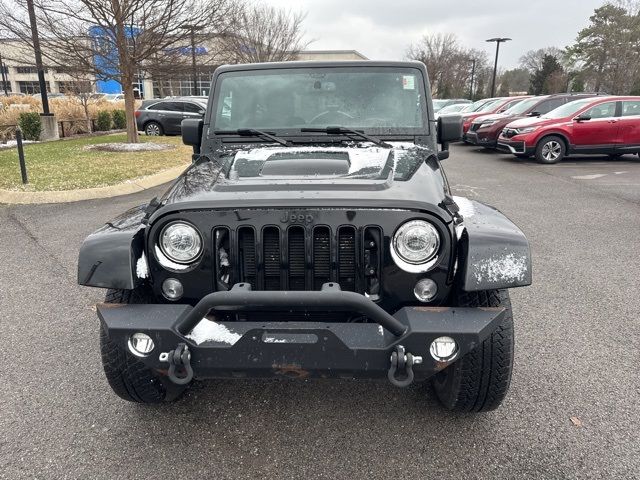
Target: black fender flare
(109, 257)
(493, 252)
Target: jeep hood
(349, 176)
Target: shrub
(31, 125)
(119, 119)
(103, 123)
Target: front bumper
(300, 349)
(480, 139)
(518, 147)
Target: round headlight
(180, 242)
(416, 242)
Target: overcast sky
(382, 29)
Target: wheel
(153, 129)
(128, 377)
(615, 156)
(478, 382)
(550, 150)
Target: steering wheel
(320, 118)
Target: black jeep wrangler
(314, 235)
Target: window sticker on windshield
(409, 82)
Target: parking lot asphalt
(572, 412)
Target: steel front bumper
(299, 349)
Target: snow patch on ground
(507, 268)
(13, 143)
(465, 205)
(130, 147)
(210, 331)
(142, 267)
(166, 263)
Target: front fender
(493, 252)
(109, 256)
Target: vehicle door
(629, 126)
(170, 115)
(595, 130)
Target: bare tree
(450, 65)
(112, 39)
(266, 34)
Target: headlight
(416, 242)
(180, 242)
(526, 130)
(487, 123)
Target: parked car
(456, 108)
(605, 125)
(114, 97)
(485, 129)
(439, 104)
(492, 105)
(275, 254)
(164, 117)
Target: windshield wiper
(252, 132)
(348, 131)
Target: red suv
(609, 125)
(492, 105)
(485, 129)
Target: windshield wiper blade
(348, 131)
(252, 132)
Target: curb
(125, 188)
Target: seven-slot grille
(301, 257)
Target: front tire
(153, 129)
(551, 149)
(128, 377)
(479, 381)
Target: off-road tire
(128, 377)
(478, 382)
(557, 142)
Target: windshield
(522, 107)
(376, 99)
(439, 104)
(490, 105)
(568, 109)
(453, 108)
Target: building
(20, 75)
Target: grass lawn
(66, 165)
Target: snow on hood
(366, 160)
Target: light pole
(194, 68)
(498, 41)
(473, 74)
(38, 55)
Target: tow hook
(180, 357)
(402, 363)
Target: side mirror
(449, 130)
(192, 133)
(534, 114)
(583, 118)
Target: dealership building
(21, 76)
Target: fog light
(443, 349)
(141, 344)
(172, 289)
(425, 290)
